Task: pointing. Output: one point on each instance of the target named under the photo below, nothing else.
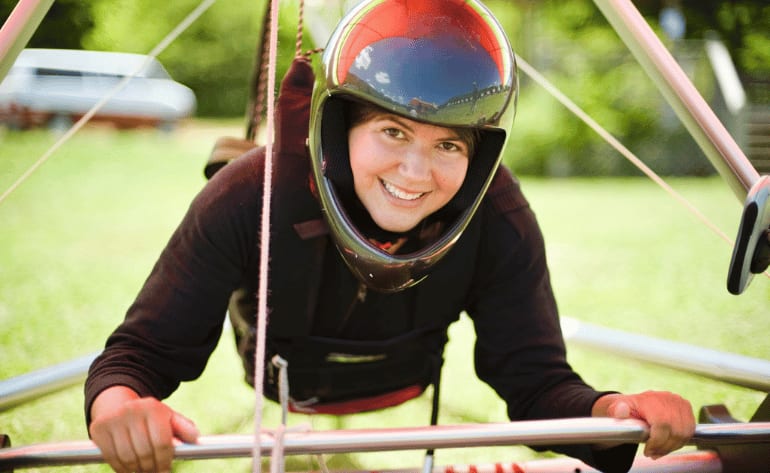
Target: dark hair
(359, 112)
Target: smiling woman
(358, 325)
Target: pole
(531, 433)
(735, 369)
(18, 29)
(23, 388)
(704, 126)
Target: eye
(452, 147)
(393, 132)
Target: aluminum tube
(23, 388)
(18, 29)
(368, 440)
(735, 369)
(548, 432)
(704, 126)
(563, 431)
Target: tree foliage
(743, 25)
(570, 42)
(214, 56)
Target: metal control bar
(531, 433)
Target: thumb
(619, 410)
(184, 429)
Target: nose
(415, 165)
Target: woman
(400, 218)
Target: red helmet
(442, 62)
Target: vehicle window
(44, 71)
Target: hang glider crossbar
(531, 433)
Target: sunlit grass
(79, 237)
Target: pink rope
(259, 352)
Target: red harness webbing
(381, 401)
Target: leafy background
(570, 42)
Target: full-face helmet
(441, 62)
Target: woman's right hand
(137, 434)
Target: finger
(184, 429)
(660, 442)
(683, 429)
(679, 424)
(143, 447)
(619, 410)
(124, 451)
(161, 436)
(106, 445)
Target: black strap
(437, 363)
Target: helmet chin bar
(751, 253)
(374, 267)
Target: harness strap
(429, 454)
(363, 404)
(226, 149)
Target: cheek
(451, 178)
(363, 173)
(357, 155)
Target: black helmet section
(443, 62)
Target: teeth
(396, 192)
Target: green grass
(79, 237)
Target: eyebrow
(400, 120)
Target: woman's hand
(136, 434)
(669, 416)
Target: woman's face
(405, 170)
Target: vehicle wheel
(166, 126)
(14, 122)
(60, 123)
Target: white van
(55, 86)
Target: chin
(395, 227)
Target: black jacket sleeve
(520, 350)
(175, 322)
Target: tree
(574, 46)
(64, 25)
(213, 56)
(742, 24)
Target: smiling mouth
(400, 194)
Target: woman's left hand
(669, 416)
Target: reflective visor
(436, 60)
(417, 20)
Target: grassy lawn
(79, 237)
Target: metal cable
(612, 141)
